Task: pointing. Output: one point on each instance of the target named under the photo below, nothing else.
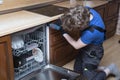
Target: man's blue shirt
(95, 37)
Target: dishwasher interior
(25, 46)
(30, 57)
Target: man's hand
(56, 27)
(56, 24)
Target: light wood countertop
(13, 4)
(21, 20)
(87, 3)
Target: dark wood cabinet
(6, 63)
(111, 27)
(111, 18)
(61, 52)
(109, 13)
(101, 10)
(111, 10)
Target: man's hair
(77, 17)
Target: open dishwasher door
(52, 72)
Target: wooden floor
(111, 54)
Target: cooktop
(49, 10)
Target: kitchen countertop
(13, 4)
(21, 20)
(87, 3)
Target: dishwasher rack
(35, 39)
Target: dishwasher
(30, 50)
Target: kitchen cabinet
(101, 10)
(61, 52)
(109, 13)
(6, 63)
(111, 10)
(111, 18)
(111, 27)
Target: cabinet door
(111, 27)
(55, 37)
(111, 18)
(111, 10)
(100, 10)
(6, 63)
(61, 52)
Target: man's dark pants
(88, 60)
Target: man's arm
(76, 44)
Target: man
(92, 28)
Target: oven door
(52, 72)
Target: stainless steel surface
(52, 72)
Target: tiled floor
(111, 54)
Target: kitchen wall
(11, 4)
(118, 25)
